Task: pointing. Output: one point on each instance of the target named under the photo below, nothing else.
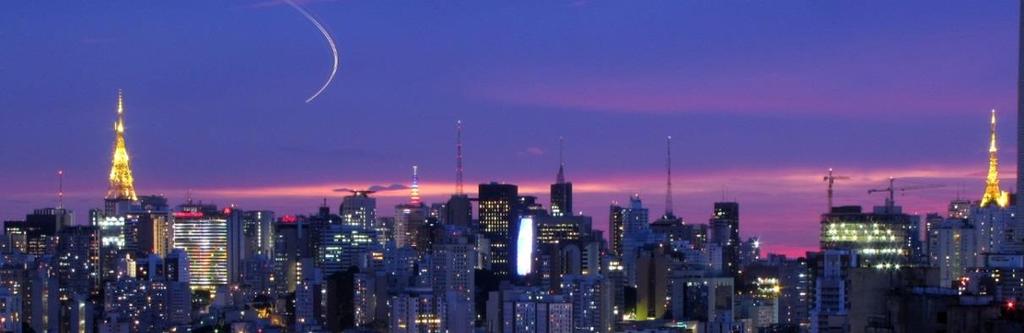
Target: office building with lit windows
(359, 209)
(725, 232)
(204, 238)
(409, 217)
(883, 239)
(497, 216)
(417, 310)
(552, 230)
(616, 227)
(522, 309)
(952, 249)
(344, 246)
(258, 227)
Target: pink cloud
(532, 151)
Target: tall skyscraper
(179, 295)
(149, 227)
(497, 217)
(952, 249)
(77, 259)
(112, 241)
(459, 210)
(453, 278)
(203, 235)
(359, 209)
(635, 217)
(342, 247)
(121, 191)
(654, 267)
(235, 243)
(561, 191)
(292, 242)
(636, 233)
(725, 232)
(258, 227)
(616, 226)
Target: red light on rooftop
(289, 219)
(227, 211)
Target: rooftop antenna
(668, 182)
(60, 189)
(561, 161)
(458, 158)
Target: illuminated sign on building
(524, 246)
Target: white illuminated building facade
(205, 240)
(525, 242)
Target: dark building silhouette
(459, 211)
(497, 218)
(725, 232)
(616, 226)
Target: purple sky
(760, 96)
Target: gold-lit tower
(992, 192)
(122, 185)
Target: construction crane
(892, 189)
(831, 179)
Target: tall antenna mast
(60, 189)
(561, 150)
(458, 158)
(668, 182)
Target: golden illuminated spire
(122, 185)
(992, 192)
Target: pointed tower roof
(122, 185)
(560, 178)
(668, 180)
(992, 192)
(458, 158)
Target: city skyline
(288, 155)
(315, 166)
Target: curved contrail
(330, 42)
